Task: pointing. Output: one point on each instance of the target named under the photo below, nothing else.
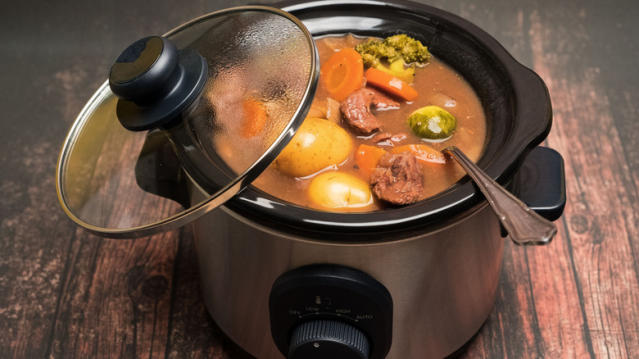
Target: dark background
(65, 293)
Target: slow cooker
(285, 281)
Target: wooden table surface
(65, 293)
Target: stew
(373, 135)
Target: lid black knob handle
(320, 339)
(155, 82)
(145, 70)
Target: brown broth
(436, 83)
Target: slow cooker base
(442, 283)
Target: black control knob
(321, 310)
(155, 82)
(320, 339)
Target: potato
(317, 144)
(339, 190)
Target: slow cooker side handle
(540, 182)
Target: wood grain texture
(65, 293)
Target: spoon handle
(524, 225)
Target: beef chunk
(357, 109)
(398, 179)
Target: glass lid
(186, 121)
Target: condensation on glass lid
(258, 92)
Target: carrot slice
(424, 153)
(254, 117)
(367, 157)
(390, 84)
(343, 73)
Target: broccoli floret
(370, 60)
(373, 50)
(410, 50)
(393, 48)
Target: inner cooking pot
(514, 98)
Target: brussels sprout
(432, 122)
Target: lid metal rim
(220, 197)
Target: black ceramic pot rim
(522, 119)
